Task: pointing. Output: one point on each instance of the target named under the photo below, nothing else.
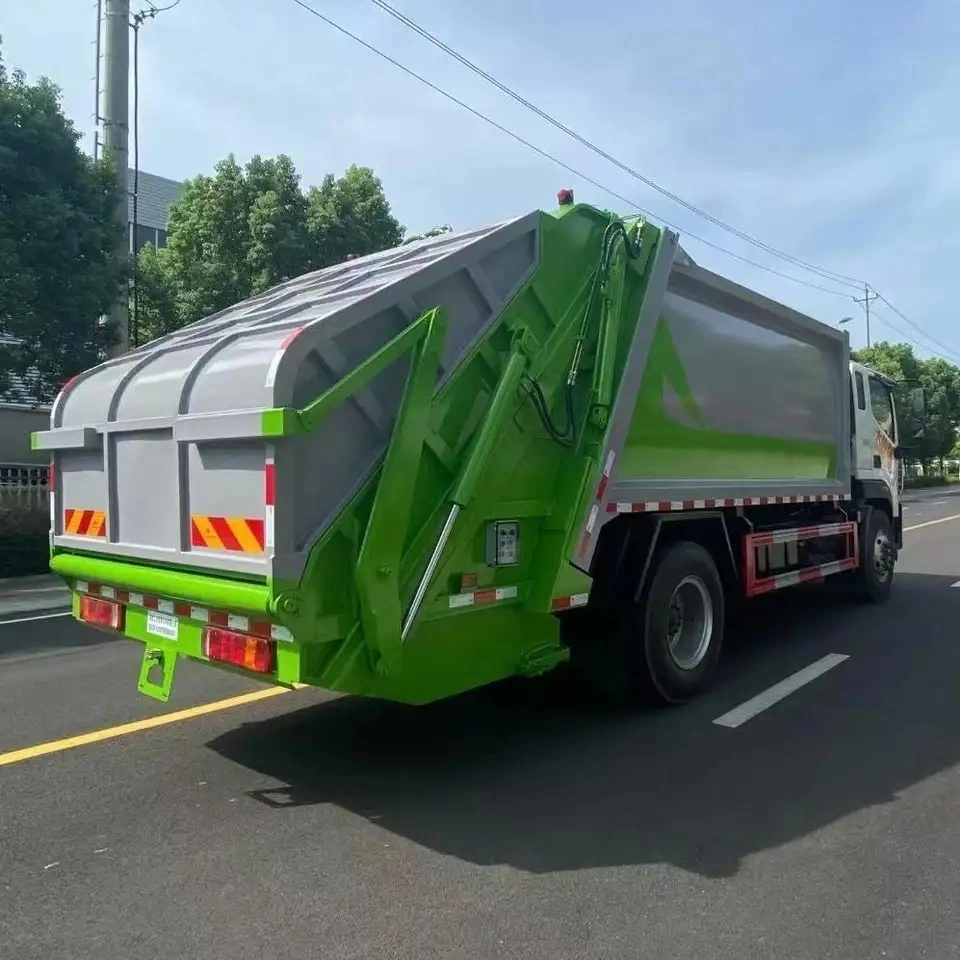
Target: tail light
(238, 649)
(101, 613)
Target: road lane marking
(930, 523)
(42, 616)
(734, 718)
(750, 708)
(957, 584)
(137, 726)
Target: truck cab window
(882, 406)
(861, 397)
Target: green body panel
(658, 446)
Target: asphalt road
(826, 826)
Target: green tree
(895, 360)
(941, 386)
(246, 229)
(350, 215)
(59, 270)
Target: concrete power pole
(116, 130)
(866, 300)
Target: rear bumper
(248, 597)
(170, 629)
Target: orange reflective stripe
(231, 534)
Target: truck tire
(873, 580)
(677, 625)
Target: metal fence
(23, 486)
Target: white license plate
(162, 625)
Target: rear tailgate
(161, 456)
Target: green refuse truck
(555, 440)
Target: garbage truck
(552, 441)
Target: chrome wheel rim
(689, 623)
(882, 565)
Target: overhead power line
(948, 353)
(923, 333)
(829, 275)
(632, 204)
(553, 121)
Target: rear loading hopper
(385, 476)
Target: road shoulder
(22, 597)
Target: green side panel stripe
(660, 447)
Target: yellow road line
(217, 706)
(148, 723)
(930, 523)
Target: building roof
(154, 198)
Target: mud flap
(156, 673)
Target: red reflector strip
(570, 602)
(269, 484)
(101, 613)
(478, 598)
(239, 650)
(230, 621)
(796, 577)
(801, 533)
(597, 502)
(668, 506)
(290, 337)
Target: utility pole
(865, 302)
(116, 130)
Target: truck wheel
(873, 580)
(680, 617)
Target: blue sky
(828, 130)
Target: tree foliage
(941, 387)
(246, 229)
(59, 270)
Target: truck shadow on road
(541, 783)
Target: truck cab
(874, 431)
(878, 436)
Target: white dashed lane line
(931, 523)
(762, 701)
(41, 616)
